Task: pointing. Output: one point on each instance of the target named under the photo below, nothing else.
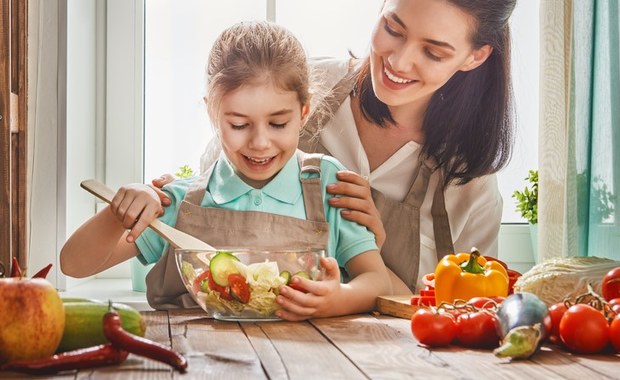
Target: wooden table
(352, 347)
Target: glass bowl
(242, 284)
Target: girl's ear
(305, 111)
(478, 57)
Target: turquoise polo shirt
(282, 195)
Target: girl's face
(259, 126)
(417, 46)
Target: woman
(423, 123)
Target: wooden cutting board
(396, 306)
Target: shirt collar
(285, 186)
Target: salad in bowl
(242, 284)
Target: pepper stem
(472, 265)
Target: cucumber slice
(286, 275)
(221, 265)
(303, 274)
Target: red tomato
(485, 302)
(611, 284)
(556, 312)
(477, 329)
(239, 289)
(614, 332)
(223, 290)
(433, 329)
(615, 305)
(199, 280)
(583, 329)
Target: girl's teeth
(394, 78)
(259, 161)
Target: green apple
(32, 319)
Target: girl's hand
(305, 299)
(136, 206)
(355, 196)
(160, 182)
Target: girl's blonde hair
(252, 52)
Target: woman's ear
(477, 58)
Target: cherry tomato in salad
(614, 332)
(556, 311)
(610, 287)
(477, 329)
(198, 281)
(204, 282)
(239, 289)
(584, 330)
(433, 329)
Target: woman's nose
(403, 60)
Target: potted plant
(527, 204)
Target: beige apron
(223, 228)
(401, 220)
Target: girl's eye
(235, 126)
(276, 125)
(391, 31)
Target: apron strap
(441, 223)
(310, 177)
(309, 137)
(198, 188)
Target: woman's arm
(356, 201)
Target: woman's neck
(407, 127)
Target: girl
(258, 98)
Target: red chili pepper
(43, 272)
(114, 332)
(96, 356)
(15, 269)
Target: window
(153, 56)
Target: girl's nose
(259, 139)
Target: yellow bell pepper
(467, 275)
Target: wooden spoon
(178, 239)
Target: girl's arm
(96, 245)
(356, 201)
(103, 241)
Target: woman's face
(258, 127)
(417, 45)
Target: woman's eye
(238, 126)
(432, 56)
(391, 31)
(276, 125)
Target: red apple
(32, 319)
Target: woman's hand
(135, 206)
(160, 182)
(355, 197)
(304, 299)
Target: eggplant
(522, 322)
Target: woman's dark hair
(468, 126)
